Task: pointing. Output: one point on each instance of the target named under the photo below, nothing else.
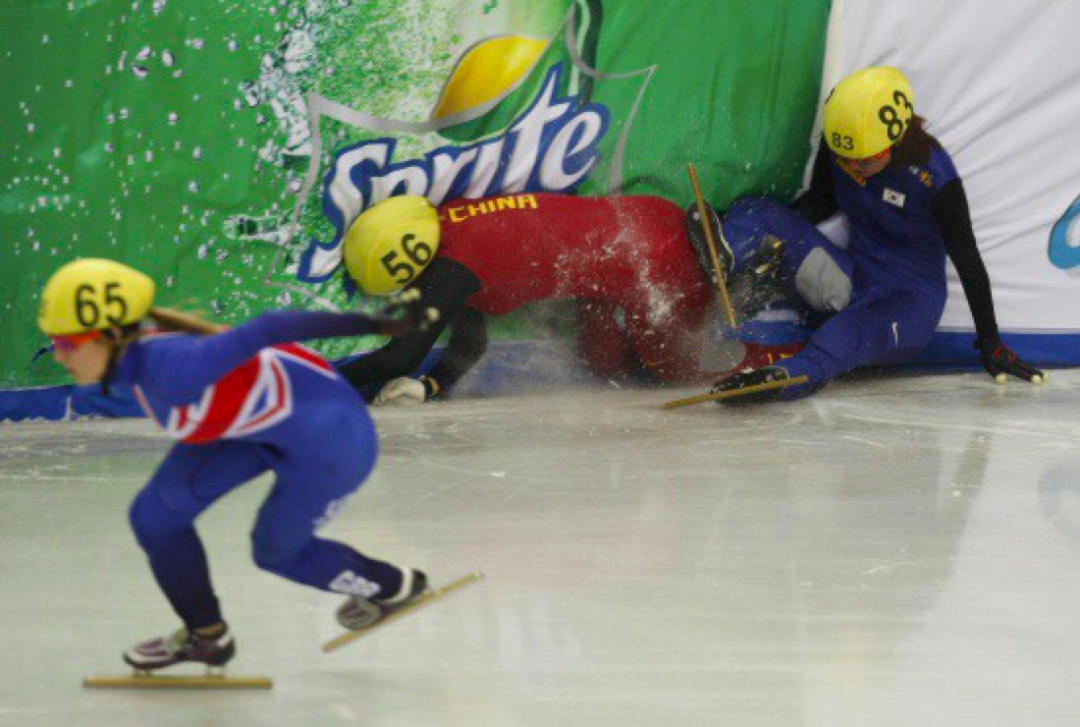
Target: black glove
(999, 361)
(404, 313)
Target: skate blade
(146, 680)
(735, 393)
(424, 600)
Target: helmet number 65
(87, 310)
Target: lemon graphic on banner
(487, 86)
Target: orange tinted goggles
(72, 341)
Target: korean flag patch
(896, 199)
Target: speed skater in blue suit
(881, 298)
(241, 402)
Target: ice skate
(363, 615)
(696, 233)
(747, 387)
(758, 355)
(759, 284)
(182, 646)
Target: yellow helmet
(868, 112)
(93, 294)
(391, 243)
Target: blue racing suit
(241, 403)
(883, 295)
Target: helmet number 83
(842, 141)
(88, 311)
(895, 125)
(418, 254)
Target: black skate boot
(698, 241)
(181, 646)
(759, 284)
(360, 613)
(746, 379)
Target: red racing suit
(629, 253)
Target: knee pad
(822, 283)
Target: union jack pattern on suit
(253, 397)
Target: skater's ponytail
(915, 146)
(171, 320)
(167, 320)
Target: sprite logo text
(549, 147)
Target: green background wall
(154, 132)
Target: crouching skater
(241, 402)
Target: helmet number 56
(418, 254)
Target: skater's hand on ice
(405, 313)
(1000, 362)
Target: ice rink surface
(894, 551)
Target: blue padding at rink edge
(509, 365)
(88, 400)
(65, 402)
(46, 403)
(946, 348)
(1039, 349)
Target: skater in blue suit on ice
(240, 402)
(882, 297)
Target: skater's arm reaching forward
(179, 368)
(447, 285)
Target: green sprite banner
(225, 148)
